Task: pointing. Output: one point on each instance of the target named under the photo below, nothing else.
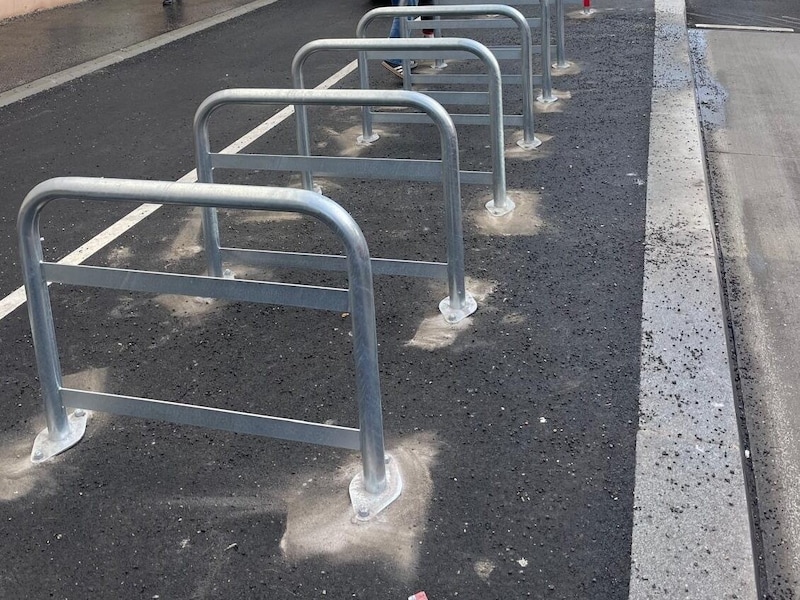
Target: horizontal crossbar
(470, 79)
(328, 262)
(336, 166)
(368, 168)
(458, 119)
(476, 23)
(214, 418)
(266, 292)
(420, 54)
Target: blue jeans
(394, 32)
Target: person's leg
(395, 65)
(428, 33)
(394, 32)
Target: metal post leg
(547, 79)
(205, 174)
(376, 486)
(63, 431)
(529, 140)
(500, 204)
(561, 58)
(367, 136)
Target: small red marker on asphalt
(419, 596)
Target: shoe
(397, 70)
(166, 2)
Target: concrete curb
(691, 530)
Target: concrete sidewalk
(519, 431)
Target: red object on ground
(587, 3)
(423, 595)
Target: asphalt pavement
(747, 81)
(516, 431)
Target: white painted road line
(691, 526)
(744, 28)
(17, 298)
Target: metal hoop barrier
(429, 48)
(374, 488)
(522, 53)
(459, 304)
(561, 59)
(561, 55)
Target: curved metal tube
(221, 196)
(300, 98)
(561, 54)
(413, 48)
(526, 43)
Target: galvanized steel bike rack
(561, 58)
(459, 304)
(372, 490)
(430, 48)
(445, 19)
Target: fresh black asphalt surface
(522, 426)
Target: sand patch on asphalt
(434, 332)
(93, 379)
(515, 152)
(186, 242)
(119, 256)
(18, 475)
(187, 307)
(523, 220)
(320, 519)
(483, 568)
